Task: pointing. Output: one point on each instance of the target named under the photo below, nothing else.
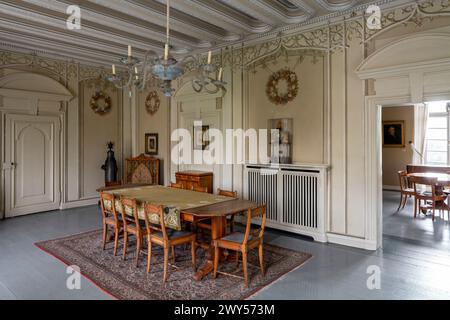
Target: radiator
(295, 198)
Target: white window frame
(440, 115)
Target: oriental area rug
(123, 280)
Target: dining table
(192, 206)
(443, 179)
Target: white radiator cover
(295, 195)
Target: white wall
(332, 116)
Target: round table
(443, 179)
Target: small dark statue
(110, 165)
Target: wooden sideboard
(195, 178)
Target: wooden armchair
(405, 190)
(433, 196)
(243, 242)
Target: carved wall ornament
(100, 103)
(152, 102)
(282, 87)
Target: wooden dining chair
(243, 242)
(132, 225)
(199, 189)
(160, 235)
(431, 195)
(177, 185)
(232, 194)
(405, 190)
(110, 218)
(205, 224)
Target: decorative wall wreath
(152, 102)
(100, 103)
(279, 95)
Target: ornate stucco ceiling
(108, 26)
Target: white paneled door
(32, 164)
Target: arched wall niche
(417, 66)
(213, 110)
(34, 84)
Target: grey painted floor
(410, 269)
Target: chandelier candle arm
(165, 68)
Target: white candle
(129, 51)
(209, 57)
(114, 69)
(166, 51)
(220, 74)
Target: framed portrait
(201, 137)
(394, 134)
(151, 144)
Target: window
(437, 150)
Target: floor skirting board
(352, 241)
(391, 188)
(79, 203)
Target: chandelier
(162, 70)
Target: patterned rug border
(67, 264)
(245, 297)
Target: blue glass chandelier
(162, 70)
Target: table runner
(175, 200)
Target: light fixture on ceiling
(164, 69)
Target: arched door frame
(396, 85)
(10, 87)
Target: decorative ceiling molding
(337, 5)
(39, 26)
(196, 24)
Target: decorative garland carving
(273, 91)
(98, 108)
(152, 102)
(57, 69)
(417, 14)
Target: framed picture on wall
(394, 134)
(201, 137)
(151, 144)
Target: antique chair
(110, 218)
(158, 234)
(142, 170)
(243, 242)
(206, 223)
(132, 225)
(177, 185)
(432, 195)
(405, 191)
(199, 189)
